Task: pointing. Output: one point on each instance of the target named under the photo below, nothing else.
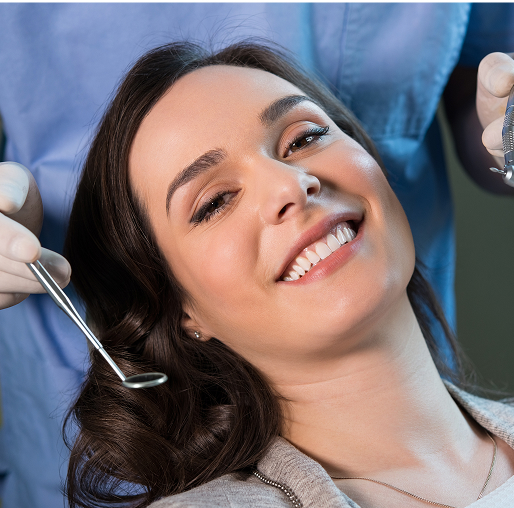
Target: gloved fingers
(495, 80)
(55, 264)
(10, 283)
(492, 137)
(21, 216)
(17, 242)
(9, 299)
(496, 74)
(14, 186)
(17, 281)
(19, 196)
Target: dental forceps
(64, 303)
(508, 142)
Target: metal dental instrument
(63, 302)
(508, 142)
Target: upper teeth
(320, 250)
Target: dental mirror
(59, 297)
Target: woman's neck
(382, 407)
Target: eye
(306, 138)
(213, 206)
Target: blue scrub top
(59, 63)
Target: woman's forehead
(219, 90)
(223, 78)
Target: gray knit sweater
(291, 479)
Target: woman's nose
(284, 190)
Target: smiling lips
(321, 249)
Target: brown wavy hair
(217, 414)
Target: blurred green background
(484, 278)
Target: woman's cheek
(219, 267)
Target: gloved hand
(495, 79)
(21, 217)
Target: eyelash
(315, 132)
(203, 214)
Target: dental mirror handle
(64, 303)
(146, 380)
(508, 142)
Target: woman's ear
(194, 329)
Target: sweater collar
(285, 464)
(495, 416)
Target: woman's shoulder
(228, 491)
(497, 416)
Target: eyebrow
(280, 107)
(276, 110)
(196, 168)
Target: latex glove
(495, 79)
(21, 217)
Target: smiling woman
(234, 229)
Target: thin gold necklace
(419, 498)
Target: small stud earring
(198, 335)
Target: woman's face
(241, 175)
